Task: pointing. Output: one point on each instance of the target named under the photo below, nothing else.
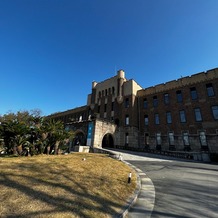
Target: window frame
(145, 103)
(215, 112)
(166, 98)
(182, 116)
(146, 120)
(210, 90)
(155, 101)
(157, 119)
(127, 120)
(197, 114)
(179, 96)
(194, 93)
(169, 117)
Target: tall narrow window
(112, 106)
(127, 139)
(105, 108)
(194, 94)
(156, 118)
(145, 103)
(146, 139)
(210, 90)
(215, 112)
(171, 138)
(155, 101)
(80, 118)
(98, 108)
(182, 116)
(166, 98)
(169, 117)
(158, 138)
(113, 90)
(198, 116)
(179, 96)
(185, 136)
(127, 103)
(203, 139)
(146, 120)
(127, 120)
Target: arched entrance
(107, 141)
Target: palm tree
(15, 134)
(54, 130)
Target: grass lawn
(63, 186)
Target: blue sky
(52, 50)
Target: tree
(27, 133)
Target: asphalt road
(182, 189)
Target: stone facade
(180, 115)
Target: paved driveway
(182, 189)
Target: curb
(134, 197)
(141, 204)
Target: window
(145, 103)
(146, 120)
(158, 138)
(171, 138)
(179, 96)
(105, 108)
(169, 117)
(215, 112)
(127, 103)
(127, 139)
(194, 94)
(155, 101)
(98, 108)
(80, 118)
(203, 139)
(166, 98)
(112, 106)
(113, 91)
(185, 137)
(127, 120)
(210, 90)
(146, 139)
(182, 116)
(198, 116)
(156, 118)
(105, 92)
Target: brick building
(180, 115)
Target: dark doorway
(108, 141)
(79, 139)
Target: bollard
(129, 178)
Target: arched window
(127, 120)
(113, 90)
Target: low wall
(112, 154)
(80, 148)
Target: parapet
(184, 81)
